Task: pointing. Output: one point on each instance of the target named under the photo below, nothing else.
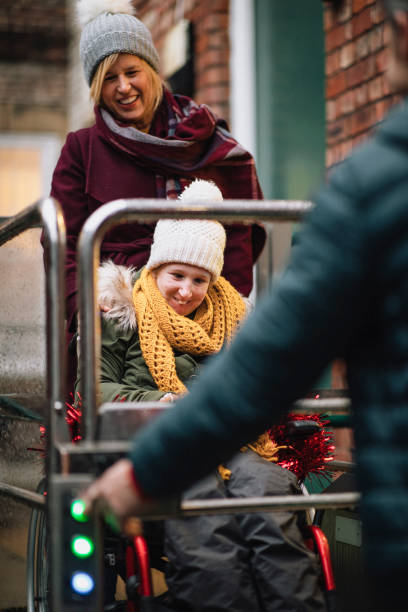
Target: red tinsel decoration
(304, 454)
(73, 418)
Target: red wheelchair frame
(138, 570)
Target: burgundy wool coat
(97, 166)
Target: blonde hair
(156, 85)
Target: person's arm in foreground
(298, 328)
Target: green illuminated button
(77, 511)
(82, 546)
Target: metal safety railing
(148, 210)
(47, 214)
(125, 211)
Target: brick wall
(33, 42)
(357, 93)
(33, 59)
(210, 21)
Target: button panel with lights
(76, 547)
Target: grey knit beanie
(110, 26)
(191, 241)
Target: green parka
(124, 373)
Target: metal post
(54, 228)
(145, 210)
(47, 213)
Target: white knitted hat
(110, 26)
(191, 241)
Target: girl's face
(183, 286)
(126, 91)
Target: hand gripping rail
(46, 213)
(148, 210)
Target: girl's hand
(169, 397)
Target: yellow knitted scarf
(162, 330)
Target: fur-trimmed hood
(115, 287)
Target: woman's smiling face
(183, 286)
(126, 91)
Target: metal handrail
(47, 213)
(193, 507)
(328, 405)
(131, 210)
(188, 508)
(342, 466)
(23, 495)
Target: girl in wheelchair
(159, 325)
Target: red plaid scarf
(186, 141)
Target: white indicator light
(82, 583)
(82, 546)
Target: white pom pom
(89, 9)
(200, 190)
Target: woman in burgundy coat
(146, 143)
